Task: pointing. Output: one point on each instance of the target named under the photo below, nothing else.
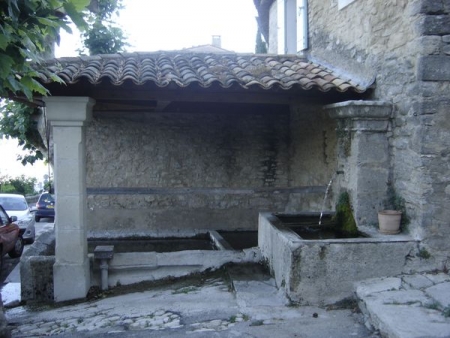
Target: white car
(16, 205)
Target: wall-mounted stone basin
(148, 244)
(139, 258)
(323, 271)
(307, 226)
(146, 259)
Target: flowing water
(325, 199)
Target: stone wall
(405, 45)
(312, 157)
(174, 172)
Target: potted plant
(390, 219)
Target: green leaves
(18, 121)
(102, 36)
(27, 30)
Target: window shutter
(302, 25)
(281, 26)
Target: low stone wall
(320, 272)
(36, 269)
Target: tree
(27, 31)
(102, 35)
(30, 29)
(20, 185)
(17, 120)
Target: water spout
(325, 198)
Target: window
(292, 18)
(3, 218)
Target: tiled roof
(204, 69)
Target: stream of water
(325, 199)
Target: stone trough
(323, 271)
(139, 259)
(148, 259)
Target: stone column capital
(363, 116)
(380, 110)
(68, 111)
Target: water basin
(308, 228)
(240, 240)
(148, 244)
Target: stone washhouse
(174, 143)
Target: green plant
(433, 306)
(28, 30)
(446, 311)
(257, 323)
(184, 290)
(423, 253)
(18, 121)
(102, 35)
(395, 202)
(344, 216)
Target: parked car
(45, 207)
(16, 205)
(10, 240)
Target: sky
(153, 25)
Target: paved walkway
(241, 302)
(250, 306)
(409, 306)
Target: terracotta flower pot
(389, 221)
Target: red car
(10, 241)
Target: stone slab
(433, 68)
(417, 281)
(401, 313)
(405, 321)
(435, 25)
(375, 285)
(438, 278)
(441, 293)
(401, 297)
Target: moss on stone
(344, 217)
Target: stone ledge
(360, 110)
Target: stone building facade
(404, 45)
(175, 172)
(178, 143)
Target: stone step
(407, 306)
(254, 287)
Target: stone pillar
(363, 155)
(67, 116)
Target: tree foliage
(18, 121)
(27, 31)
(19, 185)
(102, 35)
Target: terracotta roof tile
(183, 69)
